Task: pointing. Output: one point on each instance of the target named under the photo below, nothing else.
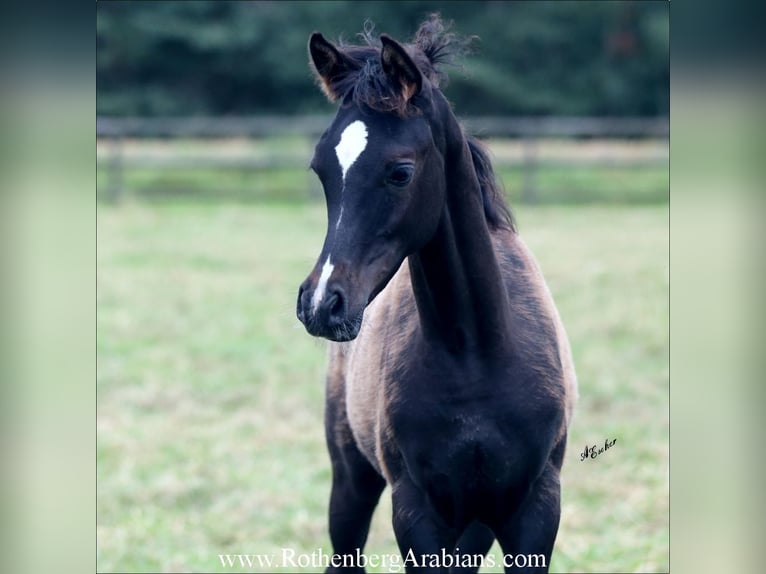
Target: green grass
(210, 393)
(589, 184)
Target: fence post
(529, 169)
(115, 169)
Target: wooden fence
(528, 131)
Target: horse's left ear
(398, 65)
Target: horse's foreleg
(356, 488)
(420, 534)
(354, 495)
(527, 537)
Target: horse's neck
(456, 278)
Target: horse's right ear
(329, 64)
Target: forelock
(433, 47)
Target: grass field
(210, 393)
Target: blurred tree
(533, 58)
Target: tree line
(245, 58)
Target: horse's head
(381, 163)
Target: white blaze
(352, 142)
(322, 285)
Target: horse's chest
(393, 423)
(436, 438)
(466, 462)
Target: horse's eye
(400, 174)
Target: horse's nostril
(336, 306)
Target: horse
(450, 376)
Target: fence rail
(314, 125)
(529, 131)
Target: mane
(496, 210)
(433, 47)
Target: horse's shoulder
(534, 310)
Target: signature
(595, 450)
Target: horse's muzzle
(329, 317)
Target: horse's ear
(329, 64)
(398, 65)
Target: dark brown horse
(450, 374)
